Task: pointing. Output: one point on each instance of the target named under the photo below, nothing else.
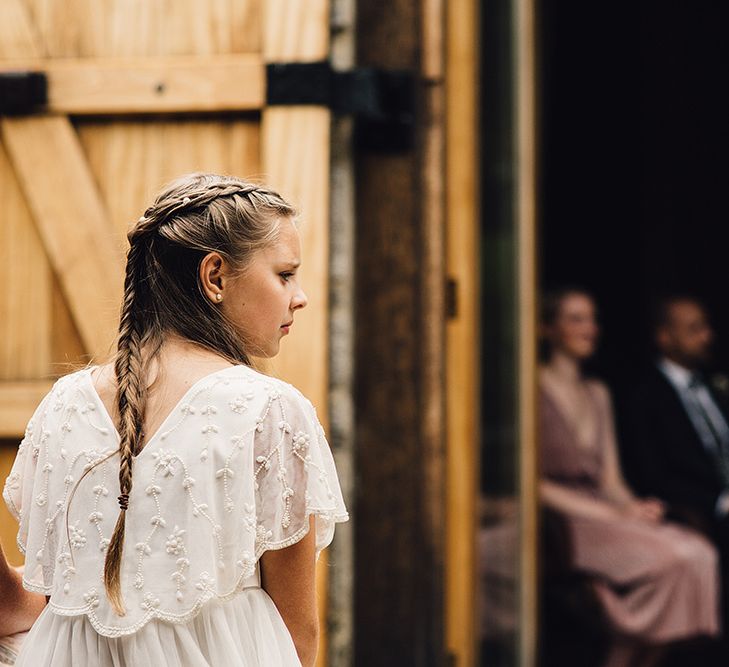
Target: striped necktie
(716, 426)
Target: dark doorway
(633, 185)
(634, 166)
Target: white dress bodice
(236, 468)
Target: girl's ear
(212, 274)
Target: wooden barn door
(138, 93)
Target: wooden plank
(295, 145)
(295, 30)
(462, 336)
(18, 401)
(132, 159)
(296, 162)
(342, 424)
(71, 220)
(18, 37)
(150, 85)
(526, 146)
(25, 285)
(395, 589)
(67, 350)
(431, 316)
(88, 28)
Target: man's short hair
(661, 315)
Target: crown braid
(197, 214)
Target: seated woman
(657, 582)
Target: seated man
(676, 423)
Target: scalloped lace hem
(304, 530)
(11, 505)
(204, 598)
(159, 614)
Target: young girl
(173, 502)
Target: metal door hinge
(382, 101)
(451, 298)
(22, 92)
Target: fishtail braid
(131, 395)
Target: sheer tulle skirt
(247, 630)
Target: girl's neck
(564, 368)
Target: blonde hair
(191, 217)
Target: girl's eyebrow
(294, 263)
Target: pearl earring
(219, 296)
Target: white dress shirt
(705, 415)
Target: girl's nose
(300, 300)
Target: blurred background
(453, 162)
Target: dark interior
(634, 166)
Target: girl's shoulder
(240, 377)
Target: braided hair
(192, 216)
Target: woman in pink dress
(657, 582)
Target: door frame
(463, 356)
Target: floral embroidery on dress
(301, 443)
(263, 535)
(149, 602)
(78, 536)
(165, 459)
(233, 479)
(205, 582)
(174, 545)
(240, 403)
(64, 560)
(91, 598)
(246, 562)
(249, 520)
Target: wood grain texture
(431, 314)
(526, 190)
(18, 401)
(296, 163)
(71, 219)
(296, 30)
(131, 160)
(119, 28)
(25, 286)
(18, 35)
(395, 593)
(295, 159)
(151, 85)
(67, 348)
(463, 355)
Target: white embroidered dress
(236, 468)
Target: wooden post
(342, 326)
(295, 144)
(400, 282)
(463, 340)
(524, 72)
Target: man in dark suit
(675, 439)
(676, 429)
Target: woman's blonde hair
(191, 217)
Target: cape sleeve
(21, 482)
(294, 475)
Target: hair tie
(124, 501)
